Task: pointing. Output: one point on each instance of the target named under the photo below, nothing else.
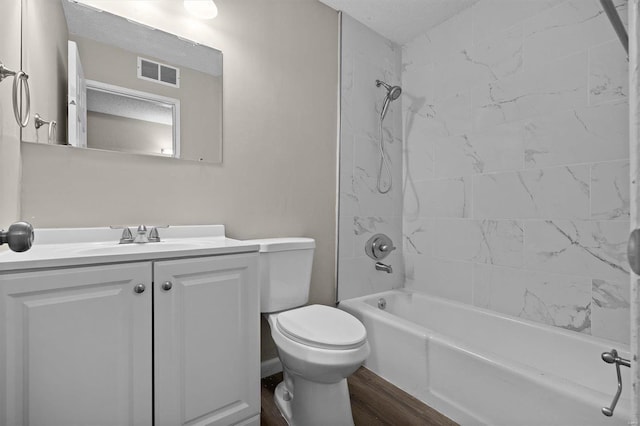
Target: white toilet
(319, 346)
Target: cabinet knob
(139, 288)
(166, 286)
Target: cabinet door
(206, 340)
(75, 347)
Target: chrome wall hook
(613, 358)
(20, 79)
(5, 72)
(39, 122)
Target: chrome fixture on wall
(20, 79)
(52, 125)
(613, 358)
(383, 267)
(19, 237)
(393, 93)
(378, 247)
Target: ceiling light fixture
(203, 9)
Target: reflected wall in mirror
(131, 88)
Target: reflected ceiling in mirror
(137, 89)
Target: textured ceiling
(400, 20)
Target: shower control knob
(19, 237)
(379, 246)
(385, 248)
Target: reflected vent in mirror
(159, 73)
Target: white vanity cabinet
(206, 340)
(75, 346)
(114, 345)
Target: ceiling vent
(158, 73)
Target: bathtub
(479, 367)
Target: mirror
(117, 85)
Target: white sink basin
(87, 246)
(115, 248)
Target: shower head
(393, 93)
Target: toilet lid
(322, 327)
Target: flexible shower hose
(384, 163)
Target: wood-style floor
(374, 401)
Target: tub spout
(382, 267)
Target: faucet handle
(154, 237)
(385, 248)
(127, 236)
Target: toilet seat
(322, 327)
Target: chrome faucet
(141, 235)
(382, 267)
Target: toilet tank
(284, 272)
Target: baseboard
(253, 421)
(270, 367)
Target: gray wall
(9, 130)
(44, 58)
(278, 177)
(115, 133)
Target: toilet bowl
(319, 346)
(316, 364)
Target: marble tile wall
(366, 57)
(516, 170)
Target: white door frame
(145, 96)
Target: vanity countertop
(55, 248)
